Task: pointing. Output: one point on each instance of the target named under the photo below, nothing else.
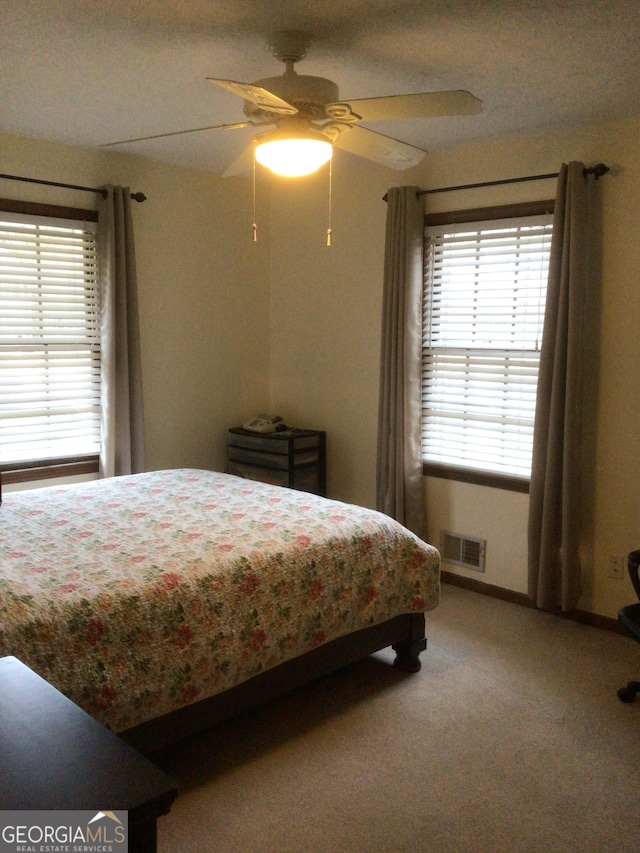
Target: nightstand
(295, 458)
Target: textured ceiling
(90, 72)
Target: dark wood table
(54, 756)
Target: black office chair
(629, 619)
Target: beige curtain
(557, 475)
(122, 445)
(399, 480)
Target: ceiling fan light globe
(293, 158)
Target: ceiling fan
(305, 113)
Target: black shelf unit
(295, 458)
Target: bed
(165, 602)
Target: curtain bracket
(597, 171)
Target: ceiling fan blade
(422, 104)
(257, 95)
(180, 132)
(379, 148)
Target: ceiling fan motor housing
(308, 94)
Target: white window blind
(49, 339)
(485, 292)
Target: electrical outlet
(616, 567)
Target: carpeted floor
(511, 738)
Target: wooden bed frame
(406, 634)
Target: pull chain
(329, 232)
(255, 227)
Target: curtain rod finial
(597, 171)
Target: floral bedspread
(137, 595)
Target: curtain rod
(135, 196)
(597, 171)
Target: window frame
(483, 214)
(40, 469)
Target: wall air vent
(465, 551)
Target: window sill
(24, 472)
(478, 478)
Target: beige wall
(325, 317)
(230, 327)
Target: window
(49, 336)
(484, 298)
